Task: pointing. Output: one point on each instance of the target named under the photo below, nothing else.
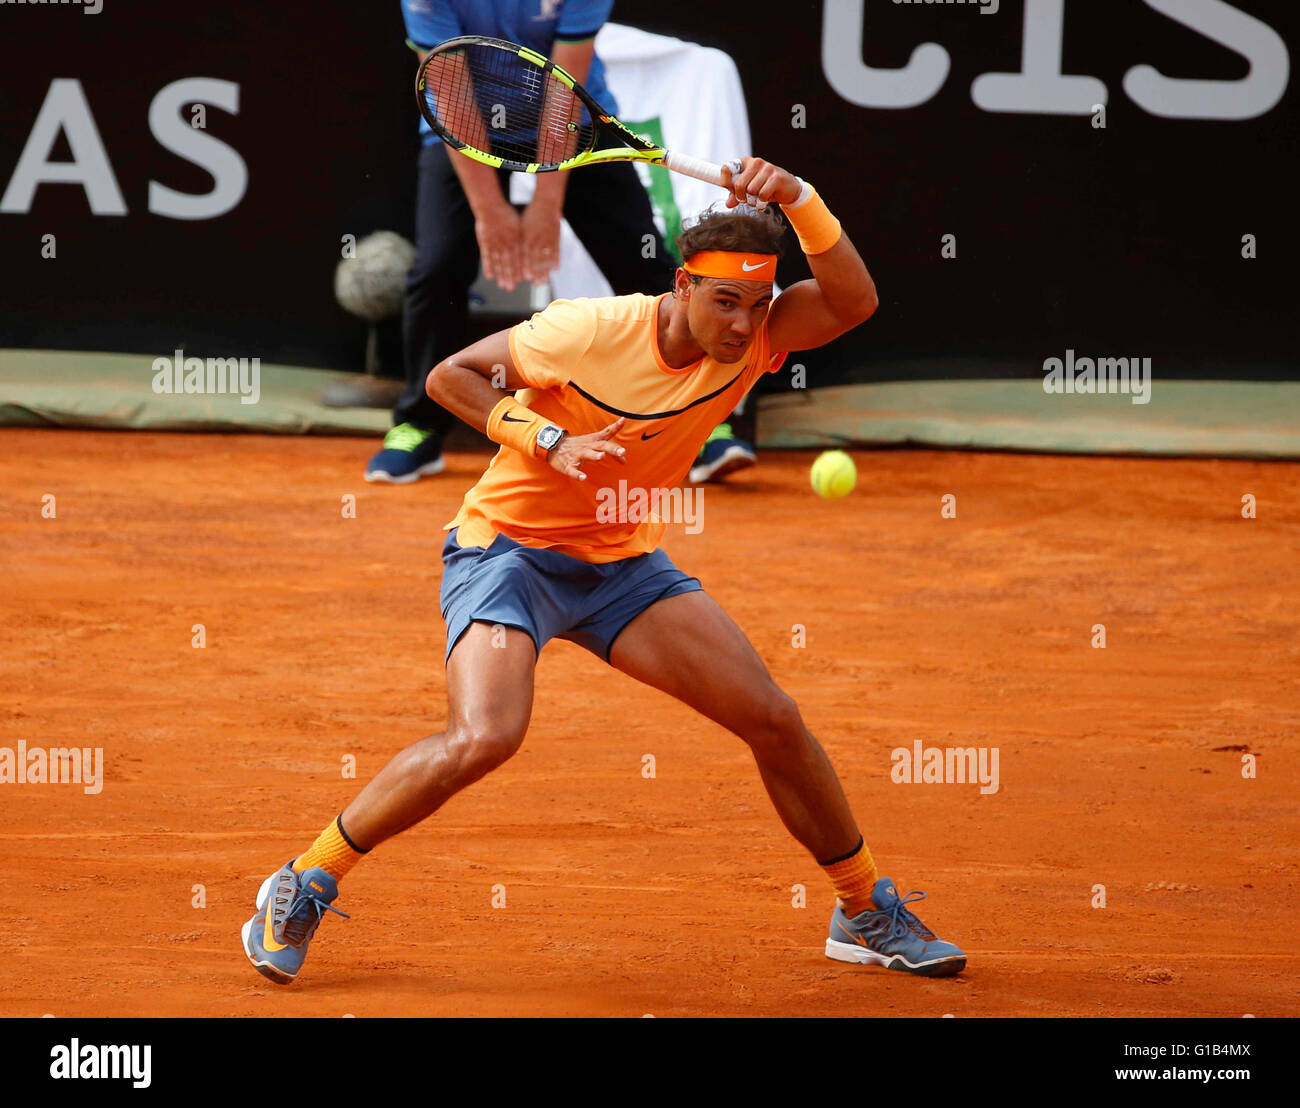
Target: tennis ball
(833, 475)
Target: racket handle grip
(694, 167)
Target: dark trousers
(606, 206)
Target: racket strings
(501, 104)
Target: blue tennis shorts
(551, 595)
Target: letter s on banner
(1185, 98)
(229, 173)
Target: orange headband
(727, 264)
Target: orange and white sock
(332, 851)
(854, 875)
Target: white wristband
(805, 191)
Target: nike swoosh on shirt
(644, 436)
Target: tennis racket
(509, 107)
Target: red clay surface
(670, 896)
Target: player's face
(724, 315)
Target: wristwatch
(548, 438)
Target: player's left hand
(758, 183)
(541, 228)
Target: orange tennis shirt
(587, 362)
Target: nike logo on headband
(750, 268)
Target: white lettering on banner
(864, 85)
(229, 173)
(1184, 98)
(66, 110)
(1041, 88)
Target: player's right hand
(576, 450)
(500, 237)
(758, 183)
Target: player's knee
(480, 747)
(777, 721)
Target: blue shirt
(537, 24)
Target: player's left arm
(841, 293)
(469, 384)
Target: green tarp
(1210, 418)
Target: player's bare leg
(489, 702)
(691, 649)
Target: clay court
(674, 895)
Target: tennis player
(598, 391)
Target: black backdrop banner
(1023, 177)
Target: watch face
(547, 437)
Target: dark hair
(741, 229)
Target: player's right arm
(841, 294)
(473, 383)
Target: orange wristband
(812, 221)
(513, 425)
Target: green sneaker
(723, 453)
(409, 453)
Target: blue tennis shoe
(892, 937)
(289, 909)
